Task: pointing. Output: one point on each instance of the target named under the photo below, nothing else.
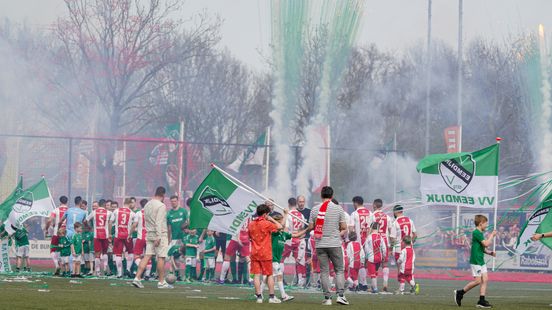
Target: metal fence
(112, 167)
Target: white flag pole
(254, 191)
(498, 139)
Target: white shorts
(190, 261)
(89, 257)
(77, 258)
(277, 269)
(478, 270)
(210, 262)
(160, 251)
(64, 259)
(22, 251)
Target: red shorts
(372, 269)
(139, 247)
(262, 267)
(234, 246)
(118, 246)
(101, 245)
(55, 242)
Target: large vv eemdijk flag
(221, 204)
(465, 179)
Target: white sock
(104, 260)
(401, 286)
(224, 270)
(331, 281)
(385, 276)
(374, 283)
(282, 290)
(119, 264)
(55, 259)
(97, 264)
(148, 270)
(129, 258)
(412, 282)
(137, 261)
(362, 276)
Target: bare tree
(114, 50)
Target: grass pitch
(37, 292)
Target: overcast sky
(391, 24)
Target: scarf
(320, 218)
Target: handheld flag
(467, 179)
(221, 204)
(6, 206)
(34, 201)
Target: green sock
(202, 269)
(188, 270)
(233, 270)
(207, 274)
(194, 272)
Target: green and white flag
(222, 205)
(466, 179)
(6, 206)
(34, 201)
(539, 222)
(253, 155)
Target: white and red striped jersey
(406, 260)
(100, 217)
(122, 219)
(375, 248)
(140, 221)
(403, 226)
(57, 215)
(361, 219)
(355, 253)
(385, 223)
(293, 223)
